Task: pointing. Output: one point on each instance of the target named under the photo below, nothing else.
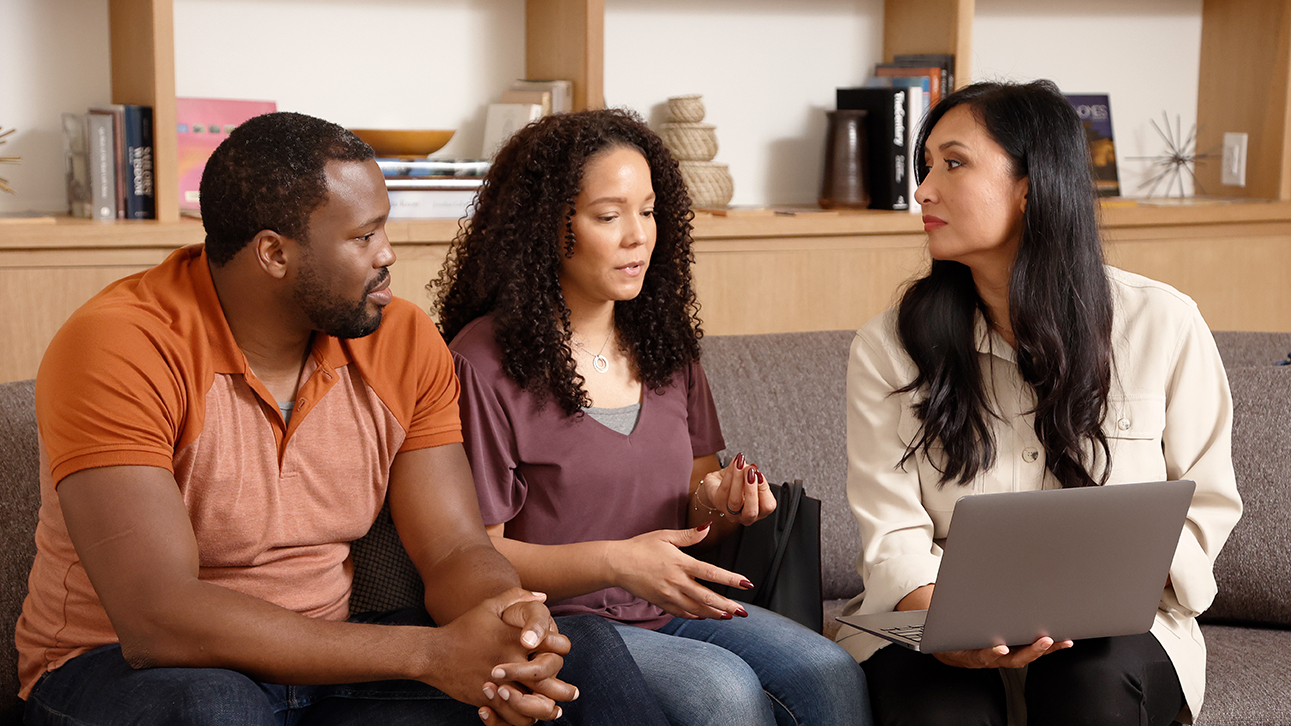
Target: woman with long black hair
(1021, 362)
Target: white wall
(767, 68)
(1145, 54)
(53, 58)
(377, 64)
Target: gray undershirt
(622, 420)
(286, 407)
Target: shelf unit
(1245, 82)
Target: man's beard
(333, 314)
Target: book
(932, 73)
(503, 120)
(117, 114)
(437, 182)
(915, 111)
(431, 203)
(140, 200)
(394, 167)
(945, 61)
(76, 156)
(202, 123)
(562, 92)
(921, 83)
(542, 98)
(887, 142)
(103, 167)
(1095, 114)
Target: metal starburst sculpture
(1179, 158)
(4, 183)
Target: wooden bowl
(404, 142)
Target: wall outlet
(1234, 171)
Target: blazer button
(1123, 424)
(1029, 455)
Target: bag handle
(795, 494)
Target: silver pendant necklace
(599, 363)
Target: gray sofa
(781, 402)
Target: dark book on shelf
(1095, 114)
(887, 142)
(141, 200)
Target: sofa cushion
(780, 398)
(1241, 349)
(1248, 676)
(19, 501)
(1253, 569)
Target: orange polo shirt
(148, 373)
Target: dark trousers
(100, 689)
(1098, 682)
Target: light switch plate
(1234, 163)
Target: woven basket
(686, 109)
(709, 184)
(690, 141)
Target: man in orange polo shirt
(214, 433)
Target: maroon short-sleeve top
(557, 479)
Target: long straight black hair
(1060, 303)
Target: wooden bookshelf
(753, 274)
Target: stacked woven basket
(694, 144)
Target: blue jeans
(99, 688)
(761, 670)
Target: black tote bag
(780, 555)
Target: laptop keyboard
(909, 632)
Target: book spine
(140, 200)
(103, 168)
(430, 203)
(900, 151)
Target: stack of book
(525, 102)
(109, 164)
(896, 99)
(432, 188)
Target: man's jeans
(101, 689)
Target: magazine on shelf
(1094, 110)
(201, 124)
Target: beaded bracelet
(711, 510)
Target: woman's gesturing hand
(740, 492)
(653, 567)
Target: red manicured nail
(726, 616)
(702, 527)
(751, 476)
(742, 613)
(739, 461)
(761, 479)
(746, 584)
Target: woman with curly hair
(592, 432)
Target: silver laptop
(1066, 563)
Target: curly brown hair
(506, 260)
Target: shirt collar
(989, 341)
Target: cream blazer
(1169, 416)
